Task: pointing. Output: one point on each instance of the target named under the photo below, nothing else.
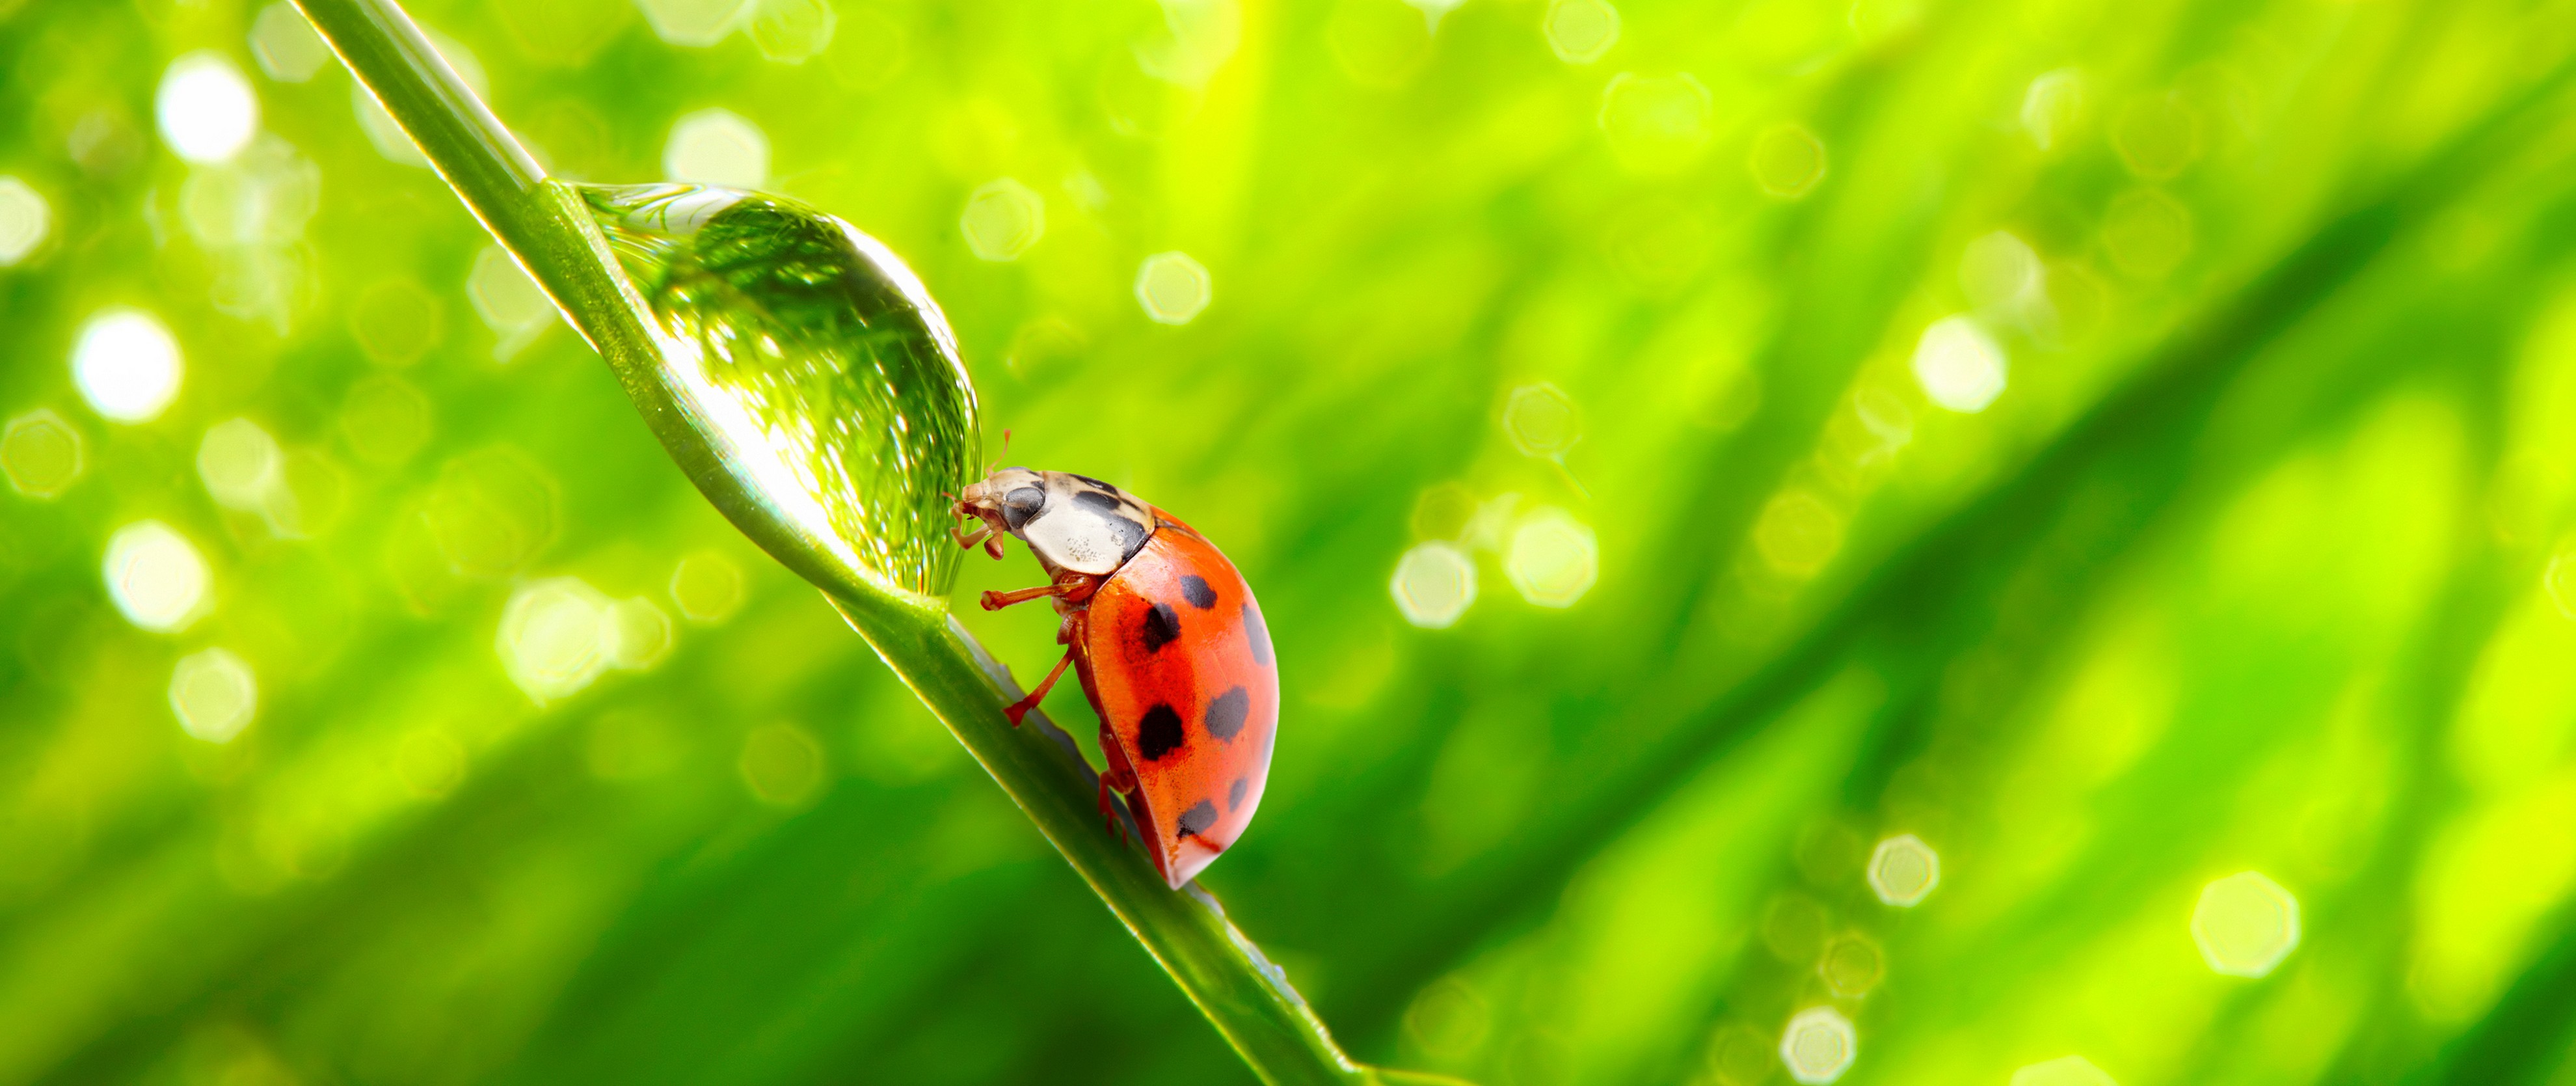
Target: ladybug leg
(1118, 777)
(1073, 588)
(995, 601)
(1020, 709)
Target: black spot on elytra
(1162, 627)
(1196, 589)
(1226, 712)
(1257, 634)
(1097, 500)
(1159, 733)
(1092, 481)
(1197, 819)
(1021, 504)
(1234, 795)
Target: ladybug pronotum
(1168, 643)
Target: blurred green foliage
(2253, 561)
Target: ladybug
(1168, 643)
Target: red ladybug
(1168, 642)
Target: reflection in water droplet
(815, 363)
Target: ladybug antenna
(1006, 452)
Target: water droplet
(206, 109)
(41, 454)
(1580, 31)
(25, 219)
(1903, 870)
(1819, 1045)
(2245, 924)
(126, 365)
(817, 369)
(285, 45)
(1172, 287)
(214, 694)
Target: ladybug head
(1071, 522)
(1005, 499)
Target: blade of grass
(2182, 377)
(548, 230)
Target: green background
(2250, 566)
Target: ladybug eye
(1021, 504)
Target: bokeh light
(1959, 366)
(1434, 584)
(1787, 161)
(205, 108)
(2558, 582)
(2052, 106)
(156, 577)
(126, 365)
(2062, 1071)
(1851, 965)
(41, 453)
(1819, 1045)
(1173, 288)
(781, 764)
(635, 634)
(1552, 558)
(792, 31)
(214, 694)
(707, 587)
(2147, 232)
(285, 44)
(694, 23)
(240, 465)
(1581, 31)
(2245, 924)
(1903, 870)
(1655, 123)
(510, 303)
(25, 219)
(1002, 219)
(1541, 421)
(554, 637)
(717, 147)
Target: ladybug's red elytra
(1169, 645)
